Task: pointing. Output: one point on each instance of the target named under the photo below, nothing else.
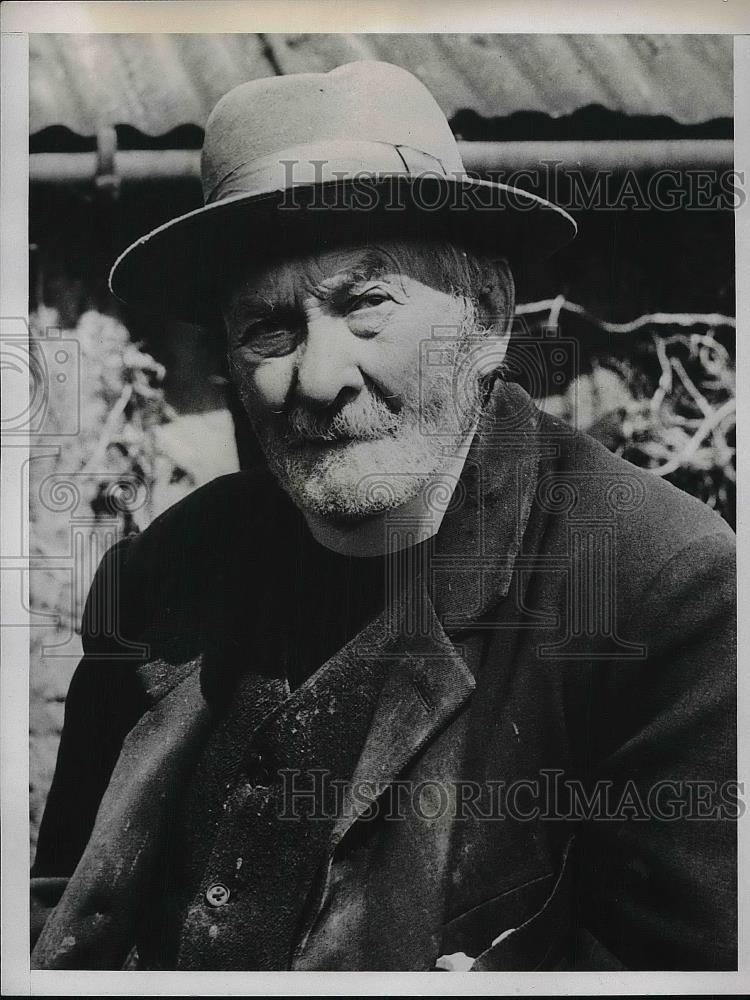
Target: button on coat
(217, 894)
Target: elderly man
(444, 684)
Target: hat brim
(176, 270)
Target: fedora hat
(366, 141)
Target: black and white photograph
(374, 516)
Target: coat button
(217, 894)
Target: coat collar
(476, 548)
(426, 683)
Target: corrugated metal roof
(158, 82)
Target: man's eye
(367, 299)
(269, 342)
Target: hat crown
(366, 101)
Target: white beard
(368, 459)
(360, 478)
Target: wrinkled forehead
(299, 257)
(314, 273)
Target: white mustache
(366, 418)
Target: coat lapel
(426, 683)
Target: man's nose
(326, 364)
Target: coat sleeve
(103, 702)
(657, 867)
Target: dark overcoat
(528, 757)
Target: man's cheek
(397, 379)
(265, 384)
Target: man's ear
(496, 297)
